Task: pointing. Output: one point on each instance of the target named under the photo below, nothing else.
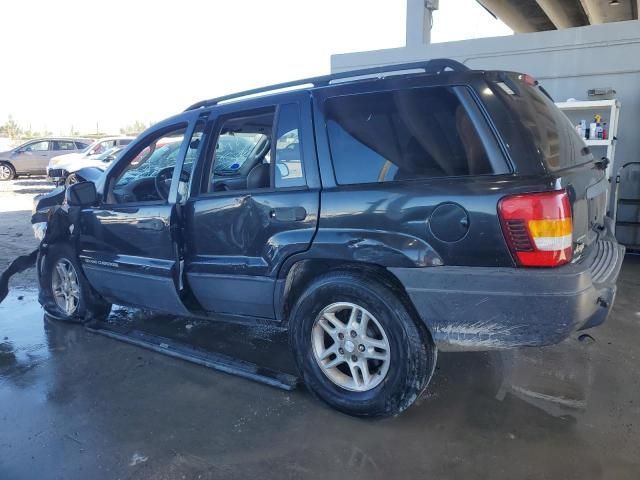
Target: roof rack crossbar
(435, 66)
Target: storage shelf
(598, 143)
(586, 105)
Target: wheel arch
(303, 272)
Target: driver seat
(259, 177)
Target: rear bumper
(477, 308)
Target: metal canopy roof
(538, 15)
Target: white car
(57, 170)
(100, 162)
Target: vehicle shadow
(34, 191)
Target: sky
(89, 64)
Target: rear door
(256, 204)
(60, 147)
(129, 244)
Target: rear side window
(81, 145)
(63, 145)
(400, 135)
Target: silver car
(32, 157)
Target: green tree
(134, 129)
(11, 129)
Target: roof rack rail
(435, 66)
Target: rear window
(401, 135)
(554, 137)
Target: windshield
(148, 165)
(88, 149)
(233, 150)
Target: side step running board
(216, 361)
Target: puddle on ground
(556, 379)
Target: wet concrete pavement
(77, 405)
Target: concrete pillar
(561, 14)
(517, 17)
(593, 10)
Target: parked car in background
(32, 157)
(98, 147)
(66, 172)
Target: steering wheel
(163, 182)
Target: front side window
(403, 135)
(241, 158)
(37, 147)
(147, 177)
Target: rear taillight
(538, 228)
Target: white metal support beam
(419, 17)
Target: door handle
(150, 224)
(295, 214)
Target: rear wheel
(7, 172)
(358, 347)
(67, 293)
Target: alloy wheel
(351, 347)
(65, 286)
(5, 172)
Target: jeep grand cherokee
(380, 214)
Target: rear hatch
(548, 138)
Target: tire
(411, 354)
(7, 172)
(72, 300)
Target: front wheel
(358, 346)
(67, 294)
(7, 172)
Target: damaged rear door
(257, 204)
(129, 245)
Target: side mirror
(81, 194)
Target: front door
(257, 205)
(129, 244)
(33, 157)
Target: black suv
(381, 214)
